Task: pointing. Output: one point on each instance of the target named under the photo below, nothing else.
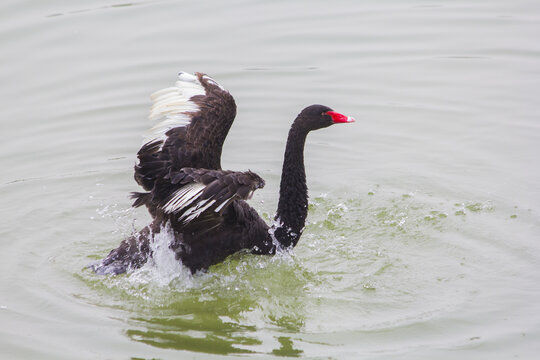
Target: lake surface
(423, 239)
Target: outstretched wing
(193, 118)
(195, 198)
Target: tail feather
(141, 198)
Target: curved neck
(293, 197)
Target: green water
(423, 230)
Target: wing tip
(174, 106)
(199, 78)
(187, 77)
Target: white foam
(162, 268)
(275, 224)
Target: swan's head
(319, 116)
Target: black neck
(293, 197)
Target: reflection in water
(198, 326)
(223, 312)
(180, 336)
(261, 304)
(286, 348)
(425, 247)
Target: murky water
(424, 226)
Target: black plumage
(180, 169)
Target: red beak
(340, 118)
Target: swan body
(179, 167)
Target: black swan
(203, 205)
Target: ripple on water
(365, 263)
(388, 258)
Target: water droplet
(369, 286)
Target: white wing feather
(171, 106)
(183, 197)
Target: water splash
(124, 218)
(162, 269)
(358, 254)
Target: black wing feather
(197, 139)
(202, 195)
